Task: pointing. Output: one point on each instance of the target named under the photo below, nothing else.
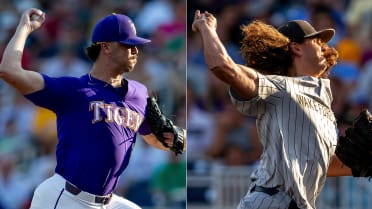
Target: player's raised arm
(241, 78)
(11, 69)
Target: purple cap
(117, 28)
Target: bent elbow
(9, 73)
(225, 70)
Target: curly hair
(331, 56)
(265, 49)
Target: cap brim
(325, 35)
(135, 41)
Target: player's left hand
(168, 138)
(169, 135)
(355, 148)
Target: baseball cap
(298, 30)
(117, 28)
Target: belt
(92, 198)
(271, 192)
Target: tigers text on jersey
(97, 126)
(297, 129)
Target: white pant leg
(51, 194)
(260, 200)
(42, 199)
(118, 202)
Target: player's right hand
(32, 19)
(205, 19)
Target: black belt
(97, 199)
(271, 192)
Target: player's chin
(129, 67)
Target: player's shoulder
(66, 81)
(136, 84)
(273, 80)
(136, 89)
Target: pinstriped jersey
(297, 129)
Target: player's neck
(109, 77)
(300, 69)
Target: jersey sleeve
(55, 94)
(270, 91)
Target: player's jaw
(132, 61)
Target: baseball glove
(159, 125)
(355, 148)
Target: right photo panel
(279, 95)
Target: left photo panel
(93, 104)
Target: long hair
(331, 56)
(265, 49)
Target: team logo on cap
(132, 26)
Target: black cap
(298, 30)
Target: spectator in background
(358, 17)
(65, 63)
(363, 92)
(235, 139)
(168, 183)
(200, 128)
(14, 184)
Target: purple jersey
(97, 126)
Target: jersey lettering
(95, 106)
(113, 114)
(309, 103)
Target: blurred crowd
(217, 134)
(28, 133)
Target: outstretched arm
(241, 78)
(11, 70)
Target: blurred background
(28, 133)
(223, 145)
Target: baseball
(34, 17)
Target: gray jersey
(297, 129)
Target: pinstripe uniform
(297, 129)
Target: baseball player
(98, 114)
(284, 86)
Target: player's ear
(105, 46)
(295, 48)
